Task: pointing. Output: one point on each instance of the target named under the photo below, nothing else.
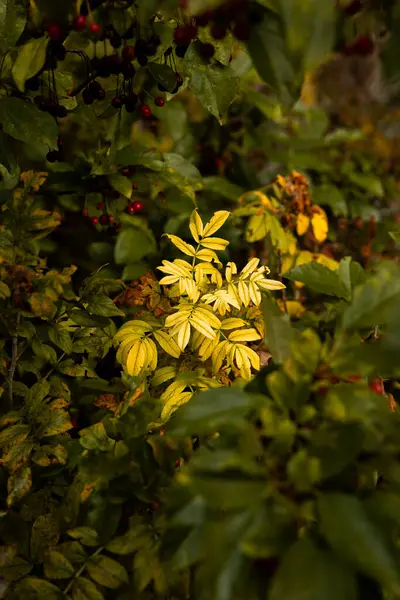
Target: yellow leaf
(136, 358)
(255, 295)
(231, 269)
(257, 228)
(214, 243)
(206, 313)
(207, 348)
(249, 268)
(162, 375)
(183, 335)
(201, 326)
(181, 245)
(302, 224)
(173, 403)
(196, 226)
(253, 357)
(133, 326)
(167, 343)
(270, 284)
(309, 92)
(207, 255)
(319, 224)
(232, 323)
(178, 267)
(152, 355)
(243, 362)
(294, 308)
(331, 263)
(177, 319)
(174, 388)
(244, 335)
(244, 294)
(215, 222)
(126, 346)
(219, 355)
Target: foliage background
(292, 126)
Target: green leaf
(310, 31)
(133, 244)
(309, 573)
(30, 60)
(84, 319)
(55, 421)
(260, 226)
(373, 302)
(121, 184)
(330, 195)
(369, 182)
(164, 75)
(107, 572)
(73, 369)
(208, 410)
(278, 332)
(84, 589)
(96, 438)
(57, 566)
(346, 527)
(14, 434)
(215, 86)
(26, 123)
(61, 338)
(86, 535)
(344, 273)
(12, 23)
(267, 49)
(103, 306)
(319, 278)
(33, 587)
(18, 485)
(223, 187)
(12, 567)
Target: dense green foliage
(185, 416)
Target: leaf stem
(14, 360)
(81, 569)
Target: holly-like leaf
(214, 85)
(30, 60)
(24, 122)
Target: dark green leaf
(86, 535)
(84, 589)
(164, 75)
(319, 278)
(96, 438)
(57, 566)
(278, 332)
(30, 60)
(121, 184)
(223, 187)
(12, 23)
(308, 573)
(33, 587)
(330, 195)
(214, 85)
(103, 307)
(346, 527)
(107, 572)
(369, 182)
(61, 338)
(24, 122)
(84, 319)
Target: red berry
(376, 385)
(79, 23)
(362, 46)
(219, 163)
(178, 463)
(131, 209)
(128, 53)
(155, 505)
(145, 111)
(74, 422)
(103, 219)
(54, 31)
(100, 205)
(159, 101)
(111, 219)
(95, 220)
(184, 35)
(85, 212)
(138, 206)
(162, 432)
(116, 102)
(218, 32)
(94, 27)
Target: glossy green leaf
(30, 60)
(319, 278)
(26, 123)
(12, 23)
(164, 75)
(133, 245)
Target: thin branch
(14, 360)
(83, 84)
(81, 569)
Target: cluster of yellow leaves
(198, 324)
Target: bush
(186, 416)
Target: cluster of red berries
(361, 46)
(80, 23)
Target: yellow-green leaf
(216, 222)
(214, 243)
(167, 343)
(196, 226)
(244, 335)
(181, 245)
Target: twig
(14, 360)
(81, 569)
(83, 84)
(284, 297)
